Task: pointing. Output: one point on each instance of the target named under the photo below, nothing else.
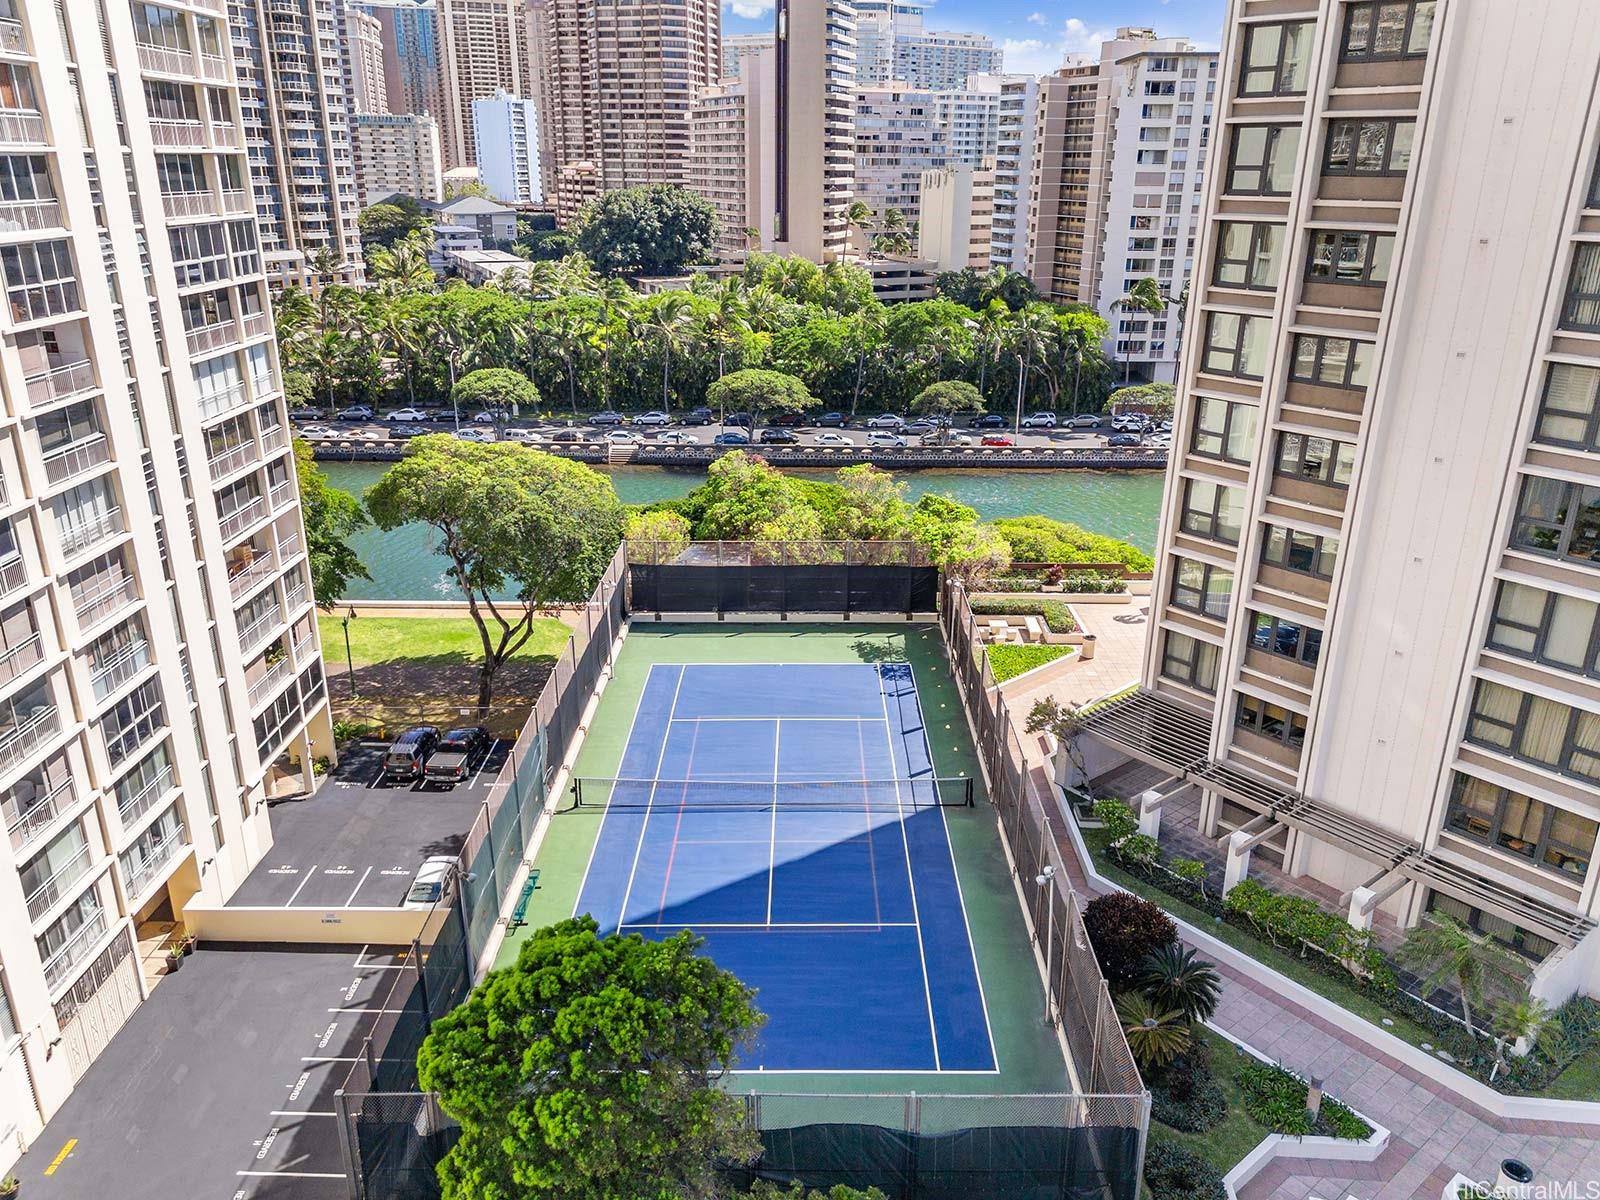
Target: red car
(998, 439)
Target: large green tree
(759, 393)
(588, 1070)
(331, 516)
(947, 398)
(507, 519)
(391, 221)
(497, 390)
(653, 229)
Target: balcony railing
(28, 216)
(120, 667)
(77, 458)
(282, 494)
(294, 595)
(77, 538)
(28, 825)
(236, 200)
(226, 401)
(166, 132)
(241, 519)
(249, 576)
(168, 61)
(275, 438)
(13, 574)
(253, 634)
(156, 861)
(11, 39)
(94, 607)
(212, 337)
(305, 643)
(231, 459)
(149, 792)
(24, 739)
(43, 898)
(24, 656)
(213, 67)
(60, 383)
(20, 127)
(270, 682)
(74, 950)
(256, 324)
(227, 136)
(289, 545)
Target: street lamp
(349, 662)
(1042, 881)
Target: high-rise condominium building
(737, 46)
(397, 154)
(1015, 130)
(733, 159)
(408, 30)
(297, 136)
(615, 87)
(160, 666)
(506, 130)
(1376, 607)
(364, 84)
(957, 220)
(893, 47)
(900, 133)
(815, 169)
(483, 48)
(1058, 254)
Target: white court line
(772, 842)
(303, 883)
(366, 1011)
(293, 1174)
(771, 925)
(735, 720)
(650, 801)
(304, 1112)
(357, 890)
(313, 1058)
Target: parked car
(833, 420)
(305, 414)
(453, 757)
(522, 435)
(1164, 427)
(829, 437)
(989, 421)
(485, 417)
(1123, 439)
(699, 416)
(356, 412)
(1084, 421)
(407, 756)
(608, 417)
(624, 437)
(741, 419)
(1161, 441)
(470, 434)
(885, 421)
(1039, 420)
(730, 439)
(1130, 423)
(947, 437)
(998, 439)
(567, 435)
(885, 437)
(317, 432)
(677, 437)
(778, 437)
(921, 426)
(654, 417)
(789, 420)
(433, 882)
(405, 433)
(407, 414)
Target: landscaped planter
(1067, 597)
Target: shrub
(1057, 616)
(1138, 848)
(1007, 662)
(1177, 977)
(1303, 925)
(1091, 583)
(1015, 583)
(1173, 1173)
(1116, 816)
(1276, 1098)
(1124, 930)
(343, 731)
(1186, 1095)
(1039, 539)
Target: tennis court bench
(519, 914)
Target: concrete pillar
(1362, 908)
(1238, 866)
(1150, 813)
(1209, 806)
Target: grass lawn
(439, 640)
(1007, 662)
(1226, 1143)
(1580, 1081)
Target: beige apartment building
(816, 150)
(1374, 660)
(482, 47)
(364, 84)
(397, 154)
(732, 163)
(160, 673)
(957, 217)
(616, 85)
(1059, 256)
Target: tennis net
(851, 795)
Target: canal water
(1120, 504)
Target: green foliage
(1446, 952)
(763, 1189)
(955, 541)
(1176, 977)
(391, 222)
(1277, 1099)
(1007, 662)
(1045, 540)
(668, 530)
(1138, 848)
(1300, 924)
(978, 289)
(1057, 616)
(1190, 869)
(1117, 817)
(948, 398)
(331, 517)
(652, 229)
(587, 1071)
(497, 390)
(468, 187)
(1173, 1173)
(1155, 398)
(1156, 1035)
(871, 506)
(344, 731)
(760, 392)
(741, 498)
(1124, 930)
(1185, 1095)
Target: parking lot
(358, 839)
(221, 1084)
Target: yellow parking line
(62, 1157)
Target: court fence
(802, 578)
(1078, 1000)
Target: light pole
(1042, 882)
(349, 662)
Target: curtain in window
(1544, 730)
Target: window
(1277, 59)
(1315, 459)
(154, 25)
(1331, 361)
(1262, 160)
(1202, 588)
(1497, 816)
(1212, 510)
(1345, 257)
(1235, 345)
(1594, 185)
(1249, 255)
(1223, 430)
(1313, 554)
(1561, 631)
(1270, 721)
(1569, 414)
(39, 280)
(1369, 147)
(1186, 659)
(1394, 29)
(1285, 638)
(25, 177)
(16, 88)
(1582, 307)
(1535, 729)
(1559, 519)
(133, 721)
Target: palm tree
(1448, 953)
(764, 309)
(670, 321)
(1182, 301)
(868, 326)
(752, 237)
(728, 321)
(399, 335)
(1146, 297)
(1513, 1021)
(1028, 336)
(1175, 977)
(858, 217)
(1011, 288)
(990, 334)
(569, 333)
(1155, 1035)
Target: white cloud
(1078, 38)
(1036, 18)
(1030, 56)
(750, 9)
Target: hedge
(1173, 1173)
(1276, 1098)
(1057, 616)
(1007, 662)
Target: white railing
(156, 860)
(77, 458)
(151, 791)
(167, 132)
(60, 383)
(295, 594)
(253, 634)
(212, 67)
(282, 494)
(120, 667)
(21, 128)
(189, 204)
(304, 643)
(11, 39)
(289, 545)
(13, 574)
(227, 136)
(268, 683)
(27, 216)
(212, 337)
(236, 200)
(44, 897)
(21, 657)
(28, 736)
(94, 607)
(241, 519)
(231, 459)
(224, 401)
(170, 62)
(77, 538)
(261, 568)
(274, 438)
(28, 825)
(256, 324)
(73, 951)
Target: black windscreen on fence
(831, 588)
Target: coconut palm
(1155, 1035)
(570, 334)
(728, 322)
(400, 336)
(1175, 977)
(858, 217)
(1144, 296)
(671, 321)
(1447, 953)
(1029, 336)
(1513, 1021)
(1182, 302)
(868, 326)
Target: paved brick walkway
(1119, 634)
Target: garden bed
(1007, 662)
(1058, 618)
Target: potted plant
(174, 957)
(1052, 579)
(9, 1187)
(188, 942)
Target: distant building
(893, 46)
(362, 47)
(408, 31)
(506, 130)
(957, 216)
(483, 47)
(494, 222)
(902, 132)
(396, 154)
(733, 152)
(815, 122)
(738, 46)
(448, 239)
(1015, 128)
(482, 266)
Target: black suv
(741, 419)
(777, 437)
(833, 420)
(699, 416)
(408, 755)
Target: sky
(1036, 33)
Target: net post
(972, 801)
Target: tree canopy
(1044, 540)
(756, 391)
(652, 229)
(390, 222)
(947, 398)
(587, 1070)
(331, 516)
(506, 518)
(1157, 398)
(496, 390)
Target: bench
(519, 914)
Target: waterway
(1121, 504)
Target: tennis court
(790, 814)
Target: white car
(886, 421)
(1129, 424)
(677, 438)
(313, 432)
(948, 437)
(1039, 420)
(654, 417)
(1083, 421)
(484, 417)
(522, 435)
(622, 435)
(434, 881)
(882, 437)
(475, 435)
(829, 437)
(406, 414)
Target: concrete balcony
(234, 458)
(21, 127)
(26, 826)
(105, 602)
(269, 683)
(76, 539)
(122, 666)
(243, 518)
(251, 575)
(221, 403)
(190, 204)
(48, 894)
(237, 201)
(143, 799)
(30, 216)
(21, 658)
(72, 461)
(212, 337)
(213, 67)
(153, 866)
(58, 967)
(60, 383)
(185, 134)
(275, 438)
(165, 60)
(256, 325)
(22, 740)
(282, 494)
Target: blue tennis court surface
(786, 814)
